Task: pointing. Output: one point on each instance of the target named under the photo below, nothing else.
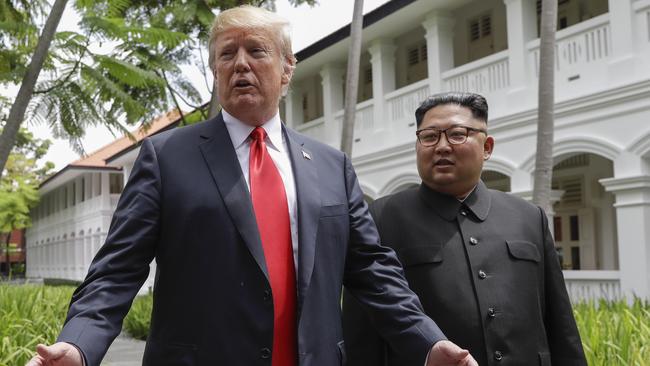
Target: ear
(287, 71)
(488, 147)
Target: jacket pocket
(158, 353)
(414, 256)
(544, 359)
(525, 250)
(341, 347)
(333, 210)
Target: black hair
(475, 102)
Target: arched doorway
(496, 180)
(584, 219)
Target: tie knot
(258, 134)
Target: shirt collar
(478, 202)
(239, 131)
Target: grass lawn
(613, 333)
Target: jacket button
(498, 355)
(267, 295)
(491, 312)
(265, 353)
(473, 240)
(463, 212)
(482, 275)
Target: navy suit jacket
(187, 205)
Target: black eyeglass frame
(440, 132)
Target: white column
(293, 107)
(88, 186)
(105, 191)
(382, 58)
(521, 27)
(632, 219)
(622, 61)
(95, 184)
(439, 28)
(77, 184)
(332, 76)
(71, 194)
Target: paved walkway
(124, 351)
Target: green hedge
(613, 333)
(138, 319)
(29, 315)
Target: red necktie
(271, 211)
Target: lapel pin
(306, 155)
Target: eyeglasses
(456, 135)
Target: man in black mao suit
(482, 262)
(194, 202)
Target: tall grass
(615, 333)
(29, 315)
(138, 319)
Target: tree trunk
(544, 157)
(17, 112)
(352, 78)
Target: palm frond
(127, 73)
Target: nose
(443, 144)
(241, 61)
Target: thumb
(52, 352)
(453, 351)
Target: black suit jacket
(485, 270)
(187, 205)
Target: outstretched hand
(58, 354)
(446, 353)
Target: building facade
(601, 176)
(415, 48)
(77, 203)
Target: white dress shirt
(276, 145)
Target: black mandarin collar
(478, 202)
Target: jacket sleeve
(561, 330)
(120, 267)
(364, 346)
(374, 277)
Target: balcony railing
(578, 46)
(401, 103)
(483, 76)
(314, 129)
(592, 285)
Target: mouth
(243, 83)
(443, 163)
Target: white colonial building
(601, 177)
(77, 203)
(414, 48)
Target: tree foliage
(122, 65)
(19, 184)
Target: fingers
(469, 361)
(36, 361)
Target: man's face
(249, 74)
(453, 169)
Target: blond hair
(251, 17)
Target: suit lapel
(308, 197)
(222, 161)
